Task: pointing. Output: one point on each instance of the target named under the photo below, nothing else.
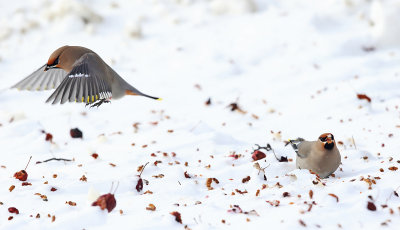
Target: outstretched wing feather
(85, 82)
(41, 80)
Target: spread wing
(41, 80)
(85, 83)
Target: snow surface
(294, 67)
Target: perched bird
(321, 156)
(79, 75)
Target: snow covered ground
(294, 68)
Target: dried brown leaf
(363, 97)
(178, 217)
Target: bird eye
(323, 139)
(332, 137)
(56, 61)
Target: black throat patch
(329, 146)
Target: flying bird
(320, 156)
(79, 75)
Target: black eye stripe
(56, 61)
(323, 139)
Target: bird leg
(98, 103)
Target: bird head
(54, 59)
(327, 140)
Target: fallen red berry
(21, 175)
(258, 155)
(49, 137)
(76, 133)
(106, 201)
(13, 210)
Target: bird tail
(155, 98)
(295, 144)
(133, 91)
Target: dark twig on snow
(269, 148)
(53, 159)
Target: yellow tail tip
(159, 99)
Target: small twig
(28, 163)
(194, 127)
(112, 185)
(53, 159)
(391, 194)
(143, 169)
(354, 142)
(116, 187)
(268, 148)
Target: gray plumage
(79, 75)
(321, 156)
(41, 80)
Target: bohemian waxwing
(321, 156)
(80, 75)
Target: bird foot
(98, 103)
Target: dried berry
(76, 133)
(258, 155)
(49, 137)
(186, 174)
(371, 206)
(246, 179)
(21, 175)
(139, 184)
(13, 210)
(106, 201)
(178, 217)
(95, 155)
(83, 178)
(71, 203)
(235, 107)
(208, 102)
(236, 209)
(286, 194)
